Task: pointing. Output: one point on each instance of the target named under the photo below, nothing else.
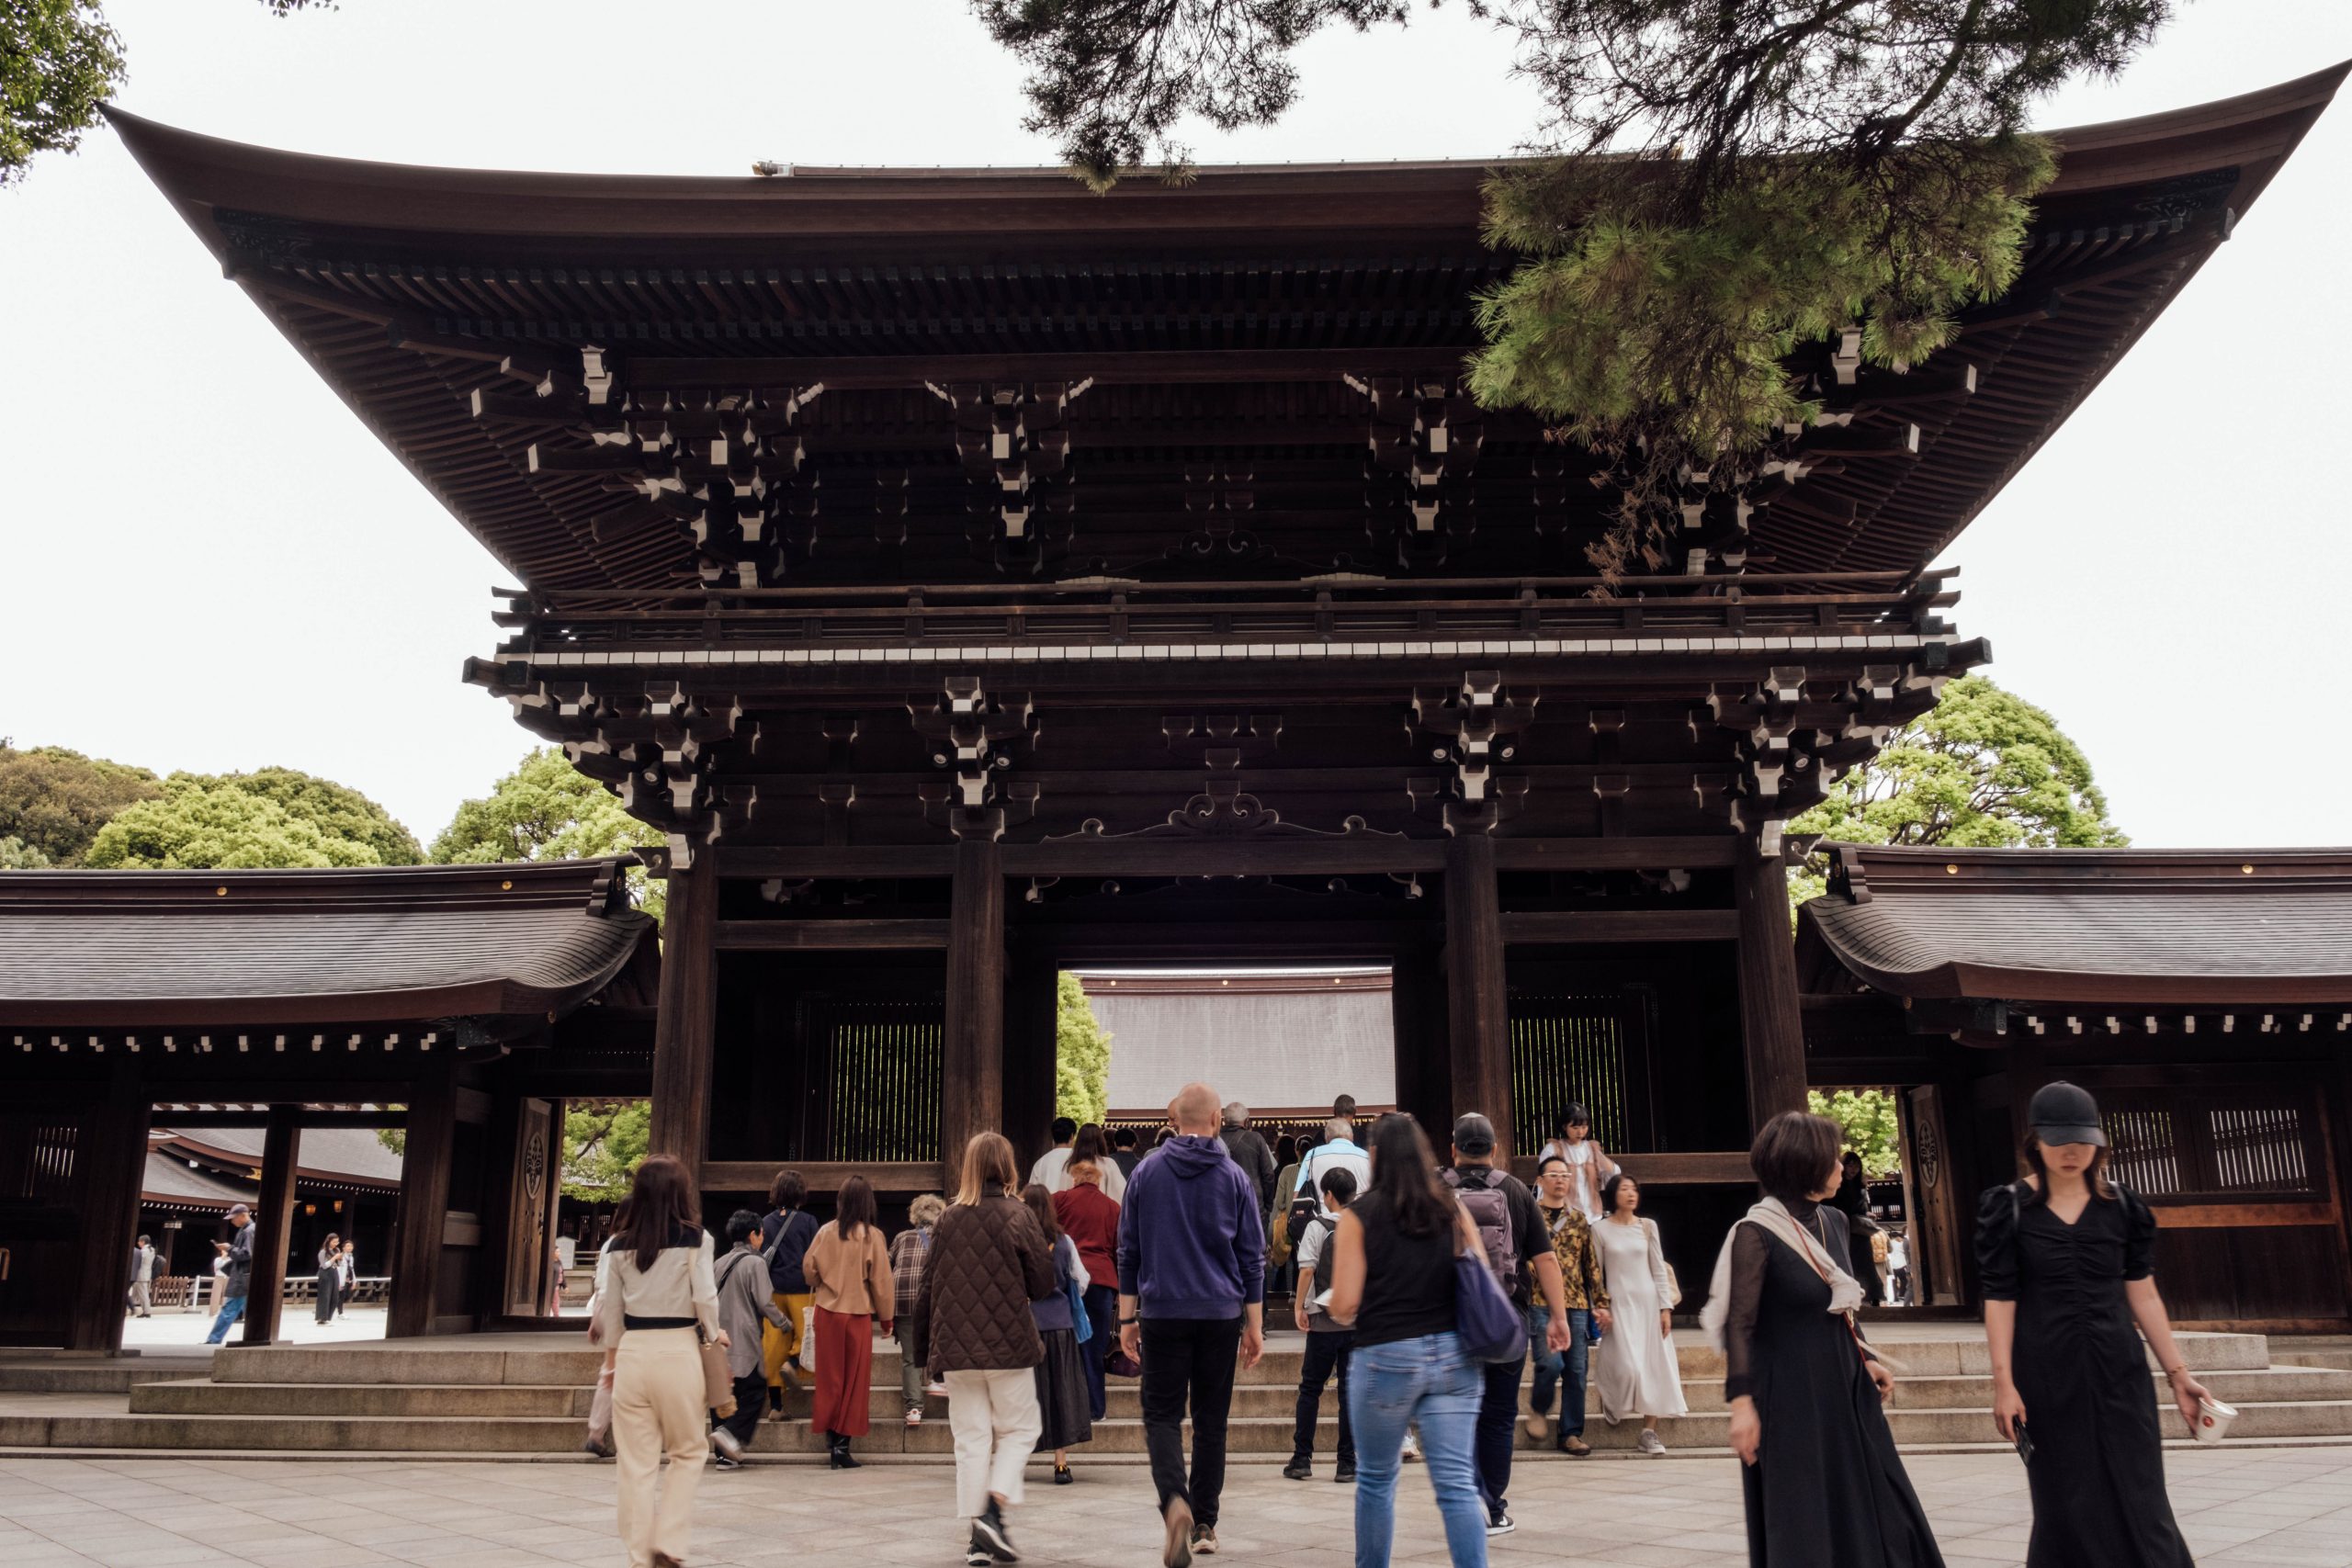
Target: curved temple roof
(100, 948)
(2159, 928)
(1215, 323)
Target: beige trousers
(995, 1421)
(657, 1411)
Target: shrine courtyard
(2237, 1506)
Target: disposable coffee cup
(2213, 1419)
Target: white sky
(206, 562)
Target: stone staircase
(527, 1395)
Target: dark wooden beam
(828, 936)
(281, 1157)
(792, 862)
(1148, 367)
(1616, 854)
(424, 1203)
(1224, 857)
(885, 1176)
(1725, 1167)
(113, 1164)
(1771, 1023)
(1476, 999)
(971, 1090)
(1621, 925)
(684, 1033)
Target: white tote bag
(807, 1357)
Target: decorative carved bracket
(1225, 810)
(1426, 433)
(1224, 741)
(1014, 440)
(1475, 727)
(975, 735)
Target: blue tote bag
(1490, 1328)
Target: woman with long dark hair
(1391, 1281)
(1063, 1402)
(973, 1330)
(848, 1270)
(329, 1282)
(2068, 1261)
(658, 1299)
(1092, 1143)
(1823, 1484)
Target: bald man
(1191, 1300)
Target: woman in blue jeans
(1392, 1276)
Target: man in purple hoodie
(1192, 1256)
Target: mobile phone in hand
(2025, 1442)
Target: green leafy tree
(1081, 1054)
(1872, 1124)
(604, 1143)
(1780, 170)
(275, 816)
(59, 60)
(54, 801)
(547, 809)
(18, 855)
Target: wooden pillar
(1033, 1012)
(1417, 1022)
(424, 1201)
(686, 1030)
(1477, 1002)
(971, 1072)
(112, 1157)
(2028, 1069)
(1771, 1024)
(281, 1153)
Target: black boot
(838, 1456)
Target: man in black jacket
(238, 1278)
(1247, 1147)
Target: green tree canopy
(274, 816)
(1872, 1125)
(1781, 169)
(547, 809)
(604, 1143)
(1081, 1054)
(18, 855)
(59, 60)
(54, 801)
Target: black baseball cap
(2063, 1113)
(1473, 1135)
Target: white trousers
(996, 1423)
(658, 1411)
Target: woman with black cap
(2067, 1259)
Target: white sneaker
(936, 1389)
(914, 1414)
(1651, 1444)
(726, 1444)
(1412, 1447)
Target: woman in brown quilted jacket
(973, 1330)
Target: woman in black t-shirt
(1393, 1280)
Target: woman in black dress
(2067, 1259)
(1823, 1484)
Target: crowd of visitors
(1017, 1302)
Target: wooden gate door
(530, 1231)
(1935, 1208)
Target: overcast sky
(208, 563)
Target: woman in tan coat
(972, 1329)
(849, 1282)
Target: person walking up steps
(1639, 1374)
(849, 1281)
(1823, 1484)
(1511, 1228)
(1191, 1302)
(660, 1296)
(1047, 1172)
(2067, 1256)
(909, 1251)
(1588, 1165)
(1063, 1408)
(786, 1231)
(745, 1304)
(973, 1328)
(1327, 1341)
(1089, 1217)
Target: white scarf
(1845, 1290)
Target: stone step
(93, 1374)
(566, 1358)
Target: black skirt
(1062, 1398)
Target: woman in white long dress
(1637, 1373)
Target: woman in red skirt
(849, 1282)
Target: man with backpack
(1515, 1239)
(1327, 1342)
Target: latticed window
(2195, 1141)
(1592, 1049)
(884, 1085)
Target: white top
(1115, 1180)
(1048, 1170)
(679, 1284)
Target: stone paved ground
(2290, 1507)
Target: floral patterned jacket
(1579, 1259)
